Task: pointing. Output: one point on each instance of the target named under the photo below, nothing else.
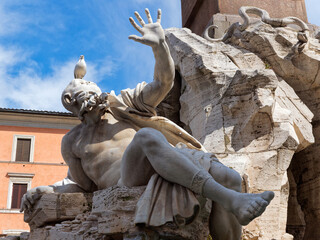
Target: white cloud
(9, 57)
(99, 69)
(23, 85)
(29, 90)
(10, 22)
(34, 92)
(33, 17)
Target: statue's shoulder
(75, 130)
(72, 134)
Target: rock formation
(244, 99)
(108, 214)
(276, 47)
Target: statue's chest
(91, 145)
(104, 142)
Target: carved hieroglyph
(244, 112)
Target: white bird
(80, 69)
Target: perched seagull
(81, 68)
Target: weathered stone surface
(57, 208)
(275, 46)
(115, 208)
(83, 227)
(245, 113)
(112, 217)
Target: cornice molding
(38, 120)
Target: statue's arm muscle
(164, 71)
(153, 36)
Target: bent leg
(135, 169)
(150, 145)
(150, 152)
(244, 206)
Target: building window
(19, 184)
(23, 148)
(18, 189)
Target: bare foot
(247, 206)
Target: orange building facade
(30, 156)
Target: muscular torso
(99, 149)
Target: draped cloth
(162, 201)
(129, 106)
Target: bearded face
(81, 97)
(89, 101)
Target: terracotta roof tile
(30, 111)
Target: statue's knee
(226, 176)
(148, 136)
(234, 181)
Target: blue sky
(41, 41)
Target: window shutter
(18, 189)
(23, 150)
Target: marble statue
(122, 141)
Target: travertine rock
(83, 227)
(112, 217)
(246, 114)
(275, 46)
(115, 208)
(57, 208)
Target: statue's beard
(90, 102)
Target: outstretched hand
(31, 197)
(152, 33)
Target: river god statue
(121, 140)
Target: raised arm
(153, 36)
